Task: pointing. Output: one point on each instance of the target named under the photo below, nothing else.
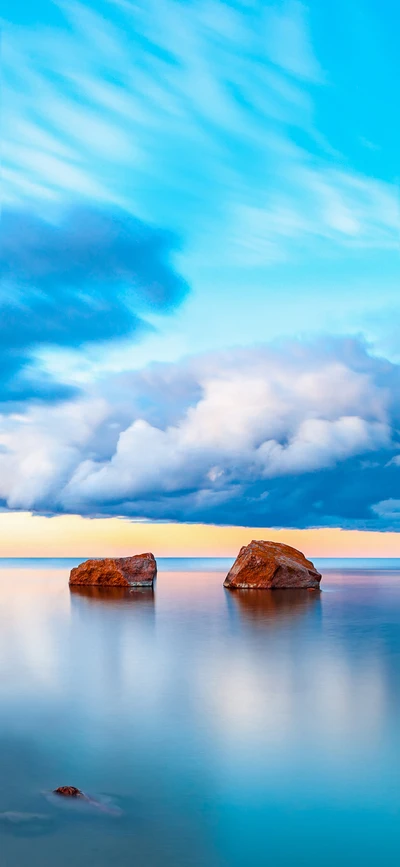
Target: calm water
(219, 729)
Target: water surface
(220, 728)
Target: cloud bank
(286, 435)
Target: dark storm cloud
(90, 277)
(345, 495)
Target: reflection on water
(223, 728)
(143, 596)
(272, 606)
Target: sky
(200, 306)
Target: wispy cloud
(188, 114)
(289, 43)
(330, 206)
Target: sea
(205, 727)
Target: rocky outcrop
(137, 571)
(271, 565)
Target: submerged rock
(69, 792)
(269, 565)
(137, 571)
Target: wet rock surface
(272, 565)
(137, 571)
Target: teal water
(211, 728)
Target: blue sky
(186, 183)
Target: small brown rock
(269, 565)
(137, 571)
(69, 792)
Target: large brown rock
(137, 571)
(270, 565)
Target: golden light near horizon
(25, 535)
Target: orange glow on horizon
(25, 535)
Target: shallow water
(220, 728)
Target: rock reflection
(258, 607)
(113, 596)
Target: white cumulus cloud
(230, 422)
